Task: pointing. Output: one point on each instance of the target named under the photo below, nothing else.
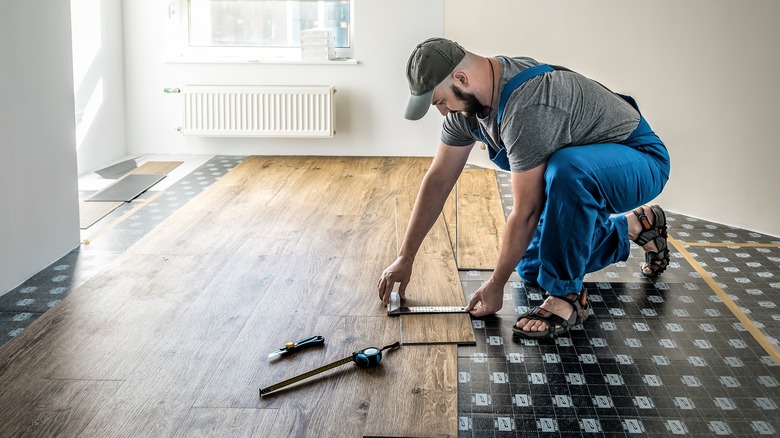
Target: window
(256, 29)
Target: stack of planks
(171, 339)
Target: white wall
(703, 71)
(98, 74)
(38, 184)
(370, 100)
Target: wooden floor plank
(91, 212)
(278, 249)
(175, 369)
(437, 329)
(113, 350)
(156, 167)
(336, 403)
(46, 343)
(221, 422)
(480, 220)
(430, 394)
(47, 408)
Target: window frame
(179, 49)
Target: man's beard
(472, 105)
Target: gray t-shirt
(546, 113)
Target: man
(578, 153)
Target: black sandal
(556, 325)
(657, 261)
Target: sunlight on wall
(86, 31)
(87, 117)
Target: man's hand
(487, 300)
(398, 272)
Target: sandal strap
(544, 315)
(576, 303)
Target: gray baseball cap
(431, 62)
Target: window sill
(238, 60)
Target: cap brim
(418, 106)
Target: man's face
(453, 99)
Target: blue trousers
(585, 186)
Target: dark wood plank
(222, 422)
(47, 408)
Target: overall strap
(516, 82)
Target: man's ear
(460, 77)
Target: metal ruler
(424, 310)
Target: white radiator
(258, 111)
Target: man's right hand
(400, 271)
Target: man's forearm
(427, 207)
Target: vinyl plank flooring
(44, 345)
(434, 283)
(226, 422)
(279, 249)
(344, 395)
(91, 212)
(175, 370)
(437, 329)
(480, 220)
(114, 349)
(49, 408)
(429, 396)
(156, 167)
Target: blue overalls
(584, 186)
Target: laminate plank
(156, 398)
(420, 397)
(91, 212)
(353, 292)
(186, 318)
(222, 422)
(336, 403)
(42, 346)
(437, 329)
(114, 349)
(451, 220)
(434, 283)
(480, 219)
(156, 167)
(46, 408)
(435, 280)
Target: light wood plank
(91, 212)
(46, 343)
(156, 167)
(437, 329)
(277, 249)
(480, 219)
(435, 282)
(429, 394)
